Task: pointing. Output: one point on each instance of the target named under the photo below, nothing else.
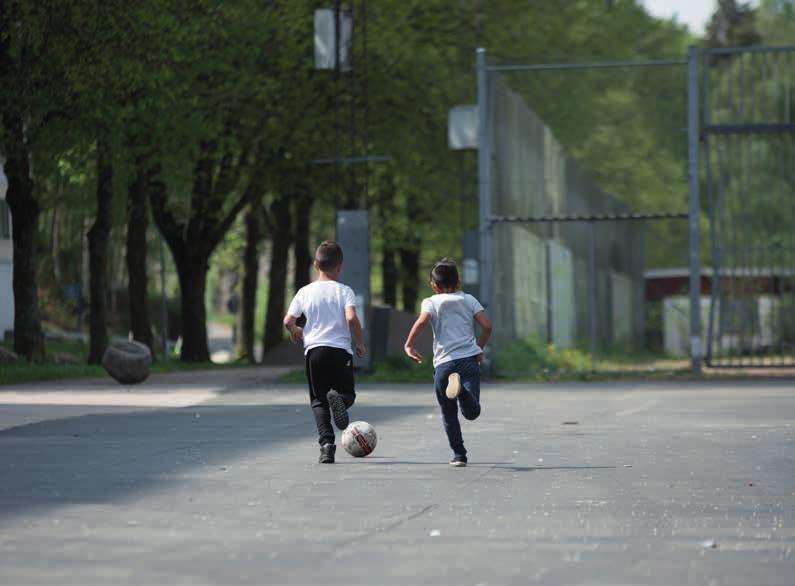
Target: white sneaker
(453, 386)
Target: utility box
(353, 234)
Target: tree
(193, 240)
(248, 297)
(732, 25)
(98, 254)
(281, 239)
(146, 180)
(776, 21)
(32, 53)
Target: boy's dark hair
(445, 274)
(328, 255)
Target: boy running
(330, 311)
(456, 354)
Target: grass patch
(25, 372)
(76, 348)
(531, 360)
(398, 369)
(530, 356)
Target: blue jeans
(469, 397)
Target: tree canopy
(199, 110)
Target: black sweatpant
(328, 368)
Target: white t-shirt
(452, 317)
(323, 303)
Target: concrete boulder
(127, 362)
(7, 357)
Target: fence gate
(749, 146)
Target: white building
(749, 320)
(6, 259)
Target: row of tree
(203, 116)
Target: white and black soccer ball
(359, 439)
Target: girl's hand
(413, 354)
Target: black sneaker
(327, 453)
(338, 409)
(459, 461)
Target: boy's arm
(416, 330)
(356, 329)
(485, 328)
(296, 333)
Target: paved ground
(568, 484)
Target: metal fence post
(592, 289)
(694, 208)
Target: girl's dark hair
(328, 255)
(445, 274)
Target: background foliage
(221, 105)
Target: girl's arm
(485, 328)
(416, 330)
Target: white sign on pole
(462, 128)
(326, 39)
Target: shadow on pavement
(100, 458)
(490, 465)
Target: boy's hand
(360, 350)
(413, 354)
(296, 334)
(479, 358)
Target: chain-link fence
(749, 139)
(587, 172)
(554, 275)
(573, 229)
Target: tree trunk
(410, 266)
(55, 239)
(192, 271)
(410, 256)
(137, 284)
(302, 253)
(386, 213)
(28, 336)
(98, 238)
(248, 302)
(280, 211)
(389, 275)
(192, 241)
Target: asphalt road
(212, 479)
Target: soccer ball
(359, 439)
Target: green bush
(532, 356)
(398, 368)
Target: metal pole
(592, 289)
(548, 279)
(484, 180)
(597, 65)
(163, 304)
(694, 209)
